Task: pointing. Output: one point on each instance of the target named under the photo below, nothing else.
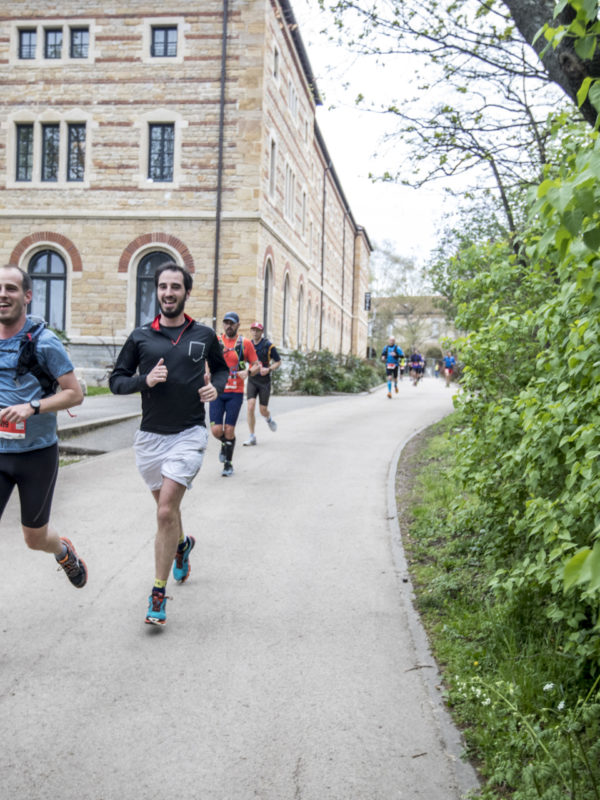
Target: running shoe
(227, 469)
(73, 565)
(157, 609)
(251, 441)
(389, 394)
(396, 388)
(181, 565)
(272, 424)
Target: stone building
(418, 322)
(134, 132)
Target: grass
(92, 391)
(531, 723)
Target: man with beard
(28, 406)
(166, 361)
(240, 356)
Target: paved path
(287, 668)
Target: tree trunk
(563, 65)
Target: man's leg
(169, 529)
(47, 540)
(251, 415)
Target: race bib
(12, 430)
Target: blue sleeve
(52, 355)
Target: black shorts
(34, 472)
(392, 372)
(260, 390)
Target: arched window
(286, 312)
(300, 341)
(309, 332)
(267, 297)
(49, 277)
(146, 304)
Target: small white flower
(486, 702)
(561, 705)
(548, 687)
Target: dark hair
(25, 276)
(171, 265)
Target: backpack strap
(28, 363)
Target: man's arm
(219, 370)
(69, 396)
(123, 379)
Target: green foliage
(530, 717)
(324, 372)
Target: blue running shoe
(157, 605)
(181, 565)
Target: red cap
(257, 325)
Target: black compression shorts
(260, 390)
(34, 472)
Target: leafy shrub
(324, 372)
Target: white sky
(408, 218)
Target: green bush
(324, 372)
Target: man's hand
(18, 413)
(158, 374)
(243, 374)
(208, 391)
(264, 370)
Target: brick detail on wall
(51, 238)
(159, 238)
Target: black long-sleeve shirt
(174, 405)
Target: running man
(240, 355)
(33, 362)
(166, 361)
(449, 364)
(417, 366)
(391, 354)
(259, 385)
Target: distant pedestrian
(392, 355)
(449, 365)
(259, 385)
(166, 361)
(33, 364)
(240, 356)
(417, 366)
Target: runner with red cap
(259, 385)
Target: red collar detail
(155, 325)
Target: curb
(77, 428)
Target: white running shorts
(177, 456)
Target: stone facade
(124, 132)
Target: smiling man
(166, 361)
(33, 364)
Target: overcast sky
(409, 218)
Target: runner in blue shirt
(391, 354)
(449, 364)
(33, 362)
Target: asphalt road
(292, 666)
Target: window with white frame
(290, 192)
(272, 167)
(161, 152)
(300, 341)
(286, 312)
(47, 152)
(304, 200)
(292, 99)
(164, 41)
(54, 44)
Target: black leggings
(35, 473)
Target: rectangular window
(50, 148)
(76, 152)
(80, 42)
(161, 150)
(53, 43)
(272, 168)
(24, 152)
(164, 42)
(276, 63)
(27, 43)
